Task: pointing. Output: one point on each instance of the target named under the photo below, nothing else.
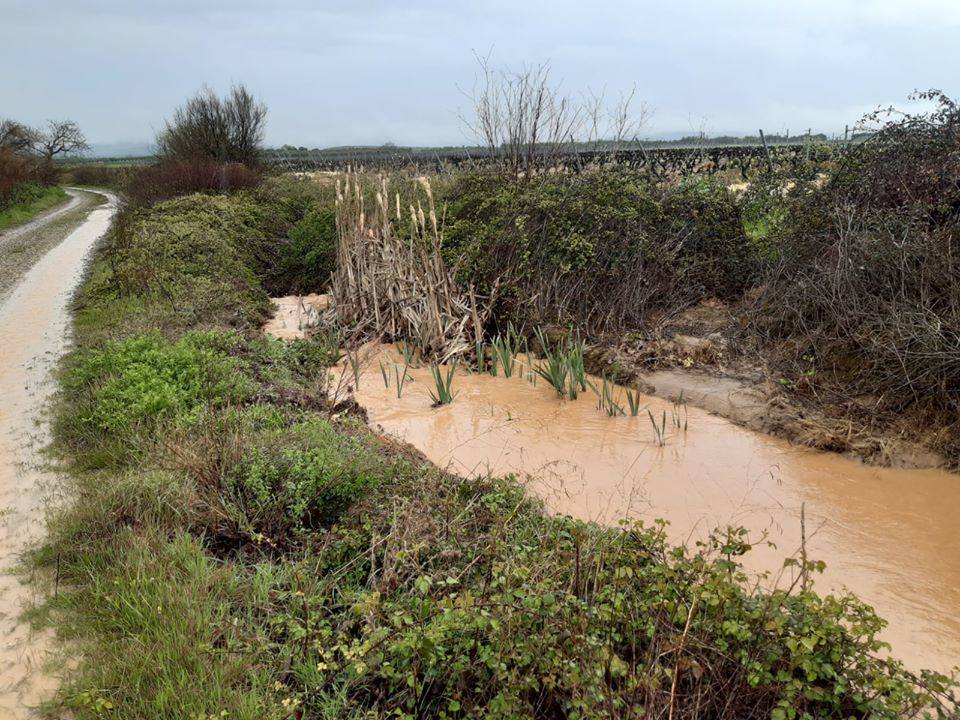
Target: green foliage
(562, 366)
(442, 392)
(600, 248)
(27, 200)
(121, 392)
(310, 257)
(199, 257)
(304, 477)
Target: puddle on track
(33, 326)
(888, 535)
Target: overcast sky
(364, 71)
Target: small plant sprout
(354, 359)
(563, 368)
(505, 351)
(402, 378)
(409, 353)
(633, 401)
(442, 383)
(574, 352)
(607, 403)
(383, 373)
(659, 431)
(679, 413)
(481, 359)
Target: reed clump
(391, 281)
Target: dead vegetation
(391, 281)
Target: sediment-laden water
(886, 534)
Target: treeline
(27, 156)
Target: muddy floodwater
(33, 325)
(888, 535)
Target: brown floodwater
(33, 327)
(886, 534)
(293, 315)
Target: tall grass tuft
(563, 367)
(505, 349)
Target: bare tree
(61, 137)
(525, 120)
(228, 129)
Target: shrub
(305, 477)
(208, 127)
(309, 258)
(604, 249)
(866, 283)
(198, 255)
(172, 178)
(97, 175)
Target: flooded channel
(886, 534)
(33, 326)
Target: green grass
(20, 213)
(247, 552)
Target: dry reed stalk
(390, 287)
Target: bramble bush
(602, 249)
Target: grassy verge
(234, 547)
(36, 203)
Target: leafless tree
(525, 119)
(228, 129)
(61, 137)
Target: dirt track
(40, 266)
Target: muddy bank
(885, 534)
(33, 327)
(700, 363)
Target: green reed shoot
(409, 353)
(354, 359)
(481, 359)
(383, 373)
(442, 383)
(659, 431)
(633, 401)
(605, 398)
(678, 413)
(505, 350)
(402, 378)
